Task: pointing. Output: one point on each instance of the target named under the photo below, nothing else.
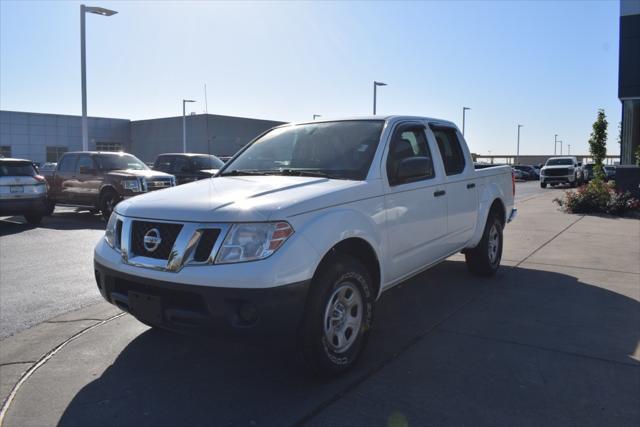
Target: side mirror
(84, 170)
(412, 168)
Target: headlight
(132, 184)
(110, 234)
(253, 241)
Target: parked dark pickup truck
(188, 167)
(99, 180)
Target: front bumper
(193, 308)
(557, 179)
(22, 206)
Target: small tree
(598, 143)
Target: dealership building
(45, 137)
(629, 79)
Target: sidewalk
(552, 339)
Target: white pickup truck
(303, 230)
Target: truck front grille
(165, 232)
(556, 172)
(158, 183)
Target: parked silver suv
(22, 190)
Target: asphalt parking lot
(553, 339)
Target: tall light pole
(464, 110)
(560, 147)
(568, 149)
(316, 115)
(83, 66)
(555, 143)
(184, 125)
(518, 146)
(375, 90)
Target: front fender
(324, 230)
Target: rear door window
(180, 165)
(68, 163)
(450, 149)
(163, 163)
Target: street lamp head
(188, 100)
(379, 83)
(100, 11)
(466, 108)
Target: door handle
(439, 193)
(471, 185)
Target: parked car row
(96, 181)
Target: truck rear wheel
(338, 317)
(108, 202)
(33, 218)
(484, 259)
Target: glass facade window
(108, 146)
(54, 153)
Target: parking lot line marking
(548, 241)
(44, 359)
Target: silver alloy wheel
(343, 317)
(494, 244)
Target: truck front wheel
(338, 317)
(484, 259)
(108, 202)
(543, 185)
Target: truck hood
(149, 173)
(243, 198)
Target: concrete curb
(23, 353)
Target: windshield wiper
(239, 172)
(305, 172)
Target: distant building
(629, 79)
(45, 137)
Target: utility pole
(555, 143)
(184, 125)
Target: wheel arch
(359, 249)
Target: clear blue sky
(547, 65)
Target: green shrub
(598, 197)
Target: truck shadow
(454, 325)
(60, 220)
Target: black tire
(50, 207)
(34, 218)
(340, 280)
(484, 259)
(108, 202)
(573, 184)
(543, 185)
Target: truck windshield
(120, 162)
(341, 150)
(559, 162)
(207, 162)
